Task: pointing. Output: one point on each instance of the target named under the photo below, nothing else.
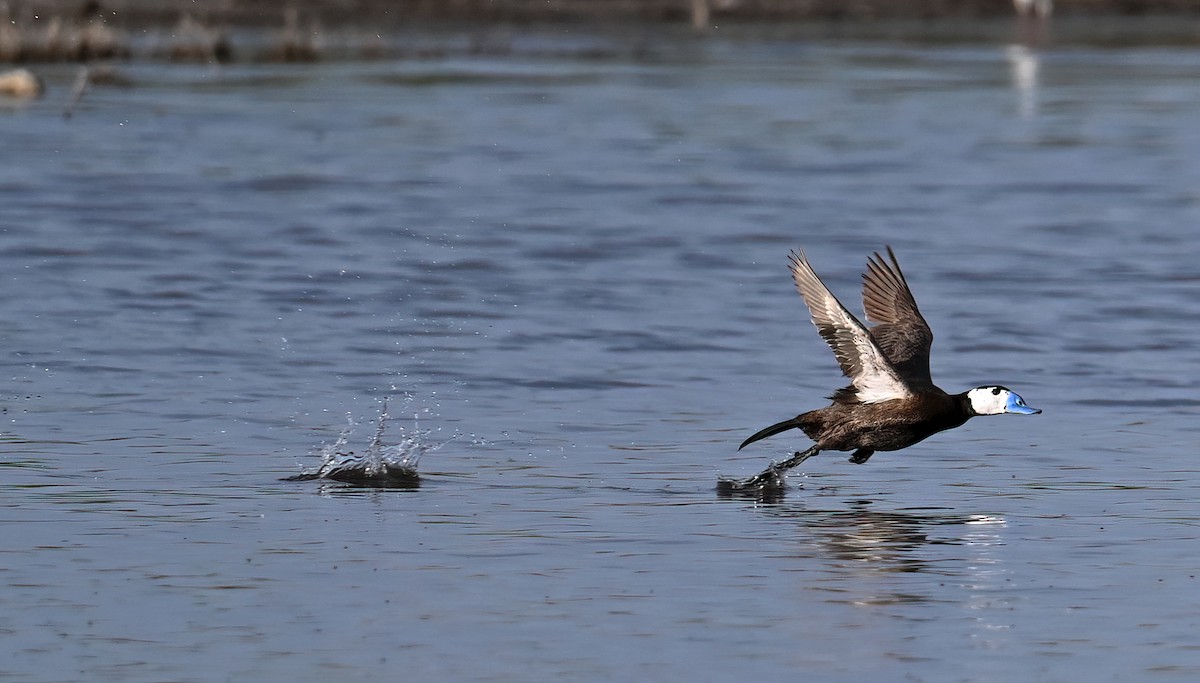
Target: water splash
(380, 465)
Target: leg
(795, 460)
(861, 455)
(770, 479)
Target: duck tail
(774, 429)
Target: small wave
(380, 465)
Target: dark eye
(995, 391)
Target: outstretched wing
(872, 377)
(900, 331)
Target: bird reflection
(1023, 65)
(1033, 33)
(860, 536)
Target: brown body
(868, 427)
(887, 426)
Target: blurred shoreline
(222, 31)
(384, 13)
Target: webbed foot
(772, 479)
(861, 455)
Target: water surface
(573, 266)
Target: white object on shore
(21, 83)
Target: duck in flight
(891, 402)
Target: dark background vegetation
(383, 12)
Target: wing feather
(872, 377)
(900, 331)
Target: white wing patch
(872, 376)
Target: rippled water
(575, 265)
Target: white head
(996, 401)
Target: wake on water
(386, 466)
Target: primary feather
(873, 379)
(900, 330)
